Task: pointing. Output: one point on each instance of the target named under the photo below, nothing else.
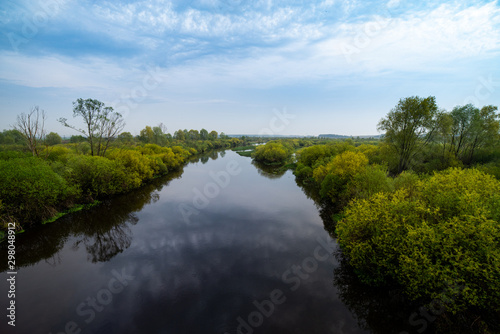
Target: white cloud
(424, 38)
(393, 3)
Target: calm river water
(220, 247)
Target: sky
(246, 67)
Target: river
(218, 247)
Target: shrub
(373, 179)
(490, 168)
(271, 153)
(99, 176)
(58, 153)
(31, 191)
(140, 167)
(447, 234)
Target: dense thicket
(421, 208)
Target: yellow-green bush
(271, 153)
(139, 166)
(447, 233)
(31, 191)
(58, 153)
(98, 176)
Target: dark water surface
(219, 247)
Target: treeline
(421, 209)
(42, 176)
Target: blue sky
(246, 67)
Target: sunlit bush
(272, 152)
(58, 153)
(447, 233)
(139, 166)
(98, 176)
(30, 190)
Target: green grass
(245, 153)
(76, 208)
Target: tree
(193, 134)
(125, 137)
(409, 127)
(212, 135)
(11, 137)
(146, 135)
(76, 139)
(179, 135)
(101, 123)
(31, 127)
(444, 122)
(159, 135)
(472, 128)
(53, 139)
(203, 134)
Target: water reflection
(325, 207)
(270, 172)
(103, 231)
(377, 309)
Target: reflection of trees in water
(204, 159)
(377, 309)
(103, 247)
(271, 172)
(326, 208)
(213, 154)
(103, 230)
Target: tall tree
(179, 135)
(409, 127)
(53, 139)
(203, 134)
(213, 135)
(193, 134)
(101, 123)
(472, 129)
(147, 135)
(31, 126)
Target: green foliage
(125, 138)
(490, 168)
(10, 154)
(77, 139)
(272, 153)
(53, 139)
(9, 137)
(98, 176)
(31, 191)
(409, 127)
(101, 123)
(446, 233)
(58, 153)
(372, 180)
